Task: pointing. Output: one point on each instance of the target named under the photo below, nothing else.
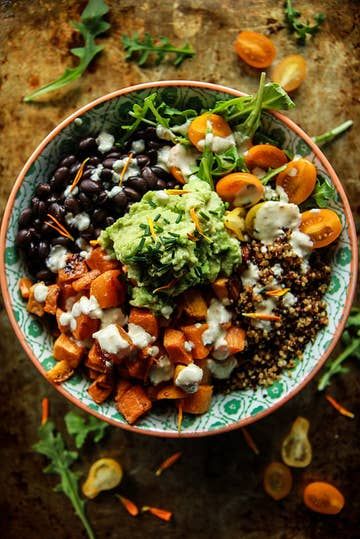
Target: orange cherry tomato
(298, 180)
(200, 125)
(240, 189)
(290, 72)
(322, 225)
(323, 498)
(277, 480)
(265, 156)
(176, 172)
(296, 449)
(255, 49)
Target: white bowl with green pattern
(227, 412)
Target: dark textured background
(216, 490)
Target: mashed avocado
(172, 241)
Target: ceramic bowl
(227, 412)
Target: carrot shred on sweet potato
(44, 410)
(339, 407)
(163, 514)
(75, 268)
(168, 462)
(146, 319)
(85, 281)
(170, 392)
(130, 507)
(199, 402)
(174, 343)
(24, 286)
(133, 403)
(250, 441)
(194, 304)
(194, 334)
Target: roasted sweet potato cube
(194, 333)
(100, 260)
(60, 372)
(199, 402)
(146, 319)
(52, 299)
(235, 338)
(138, 367)
(24, 286)
(170, 392)
(202, 363)
(133, 404)
(121, 387)
(75, 268)
(34, 306)
(85, 327)
(220, 287)
(68, 350)
(100, 389)
(194, 304)
(67, 297)
(108, 289)
(174, 343)
(85, 281)
(95, 359)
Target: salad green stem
(324, 138)
(324, 380)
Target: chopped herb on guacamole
(171, 242)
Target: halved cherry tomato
(265, 156)
(323, 498)
(250, 217)
(296, 449)
(322, 225)
(199, 127)
(298, 180)
(176, 172)
(277, 480)
(255, 49)
(290, 72)
(240, 189)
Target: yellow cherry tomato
(200, 126)
(290, 72)
(240, 189)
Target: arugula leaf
(247, 128)
(139, 50)
(90, 27)
(227, 161)
(329, 136)
(80, 429)
(271, 173)
(301, 29)
(351, 342)
(205, 166)
(324, 192)
(52, 446)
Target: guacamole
(171, 242)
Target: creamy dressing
(164, 133)
(271, 219)
(277, 270)
(57, 258)
(258, 172)
(222, 370)
(215, 143)
(105, 142)
(275, 194)
(189, 378)
(114, 191)
(138, 146)
(289, 300)
(132, 169)
(113, 316)
(95, 174)
(183, 158)
(166, 311)
(182, 129)
(139, 336)
(163, 157)
(301, 243)
(40, 292)
(69, 192)
(81, 221)
(162, 371)
(265, 306)
(111, 341)
(217, 315)
(189, 345)
(251, 275)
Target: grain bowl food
(180, 256)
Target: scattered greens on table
(330, 135)
(351, 342)
(139, 50)
(79, 428)
(298, 27)
(91, 25)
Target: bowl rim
(292, 126)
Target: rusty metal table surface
(216, 490)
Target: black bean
(102, 198)
(87, 173)
(89, 187)
(41, 208)
(25, 217)
(88, 234)
(109, 220)
(35, 201)
(23, 237)
(132, 194)
(85, 201)
(120, 200)
(37, 224)
(98, 215)
(47, 230)
(32, 249)
(108, 163)
(62, 175)
(153, 145)
(43, 191)
(161, 184)
(171, 184)
(61, 240)
(34, 233)
(56, 210)
(93, 162)
(43, 249)
(115, 155)
(142, 160)
(137, 183)
(97, 232)
(149, 133)
(74, 169)
(88, 144)
(71, 204)
(160, 172)
(106, 174)
(152, 155)
(149, 177)
(45, 275)
(52, 199)
(68, 161)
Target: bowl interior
(226, 410)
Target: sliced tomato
(200, 126)
(290, 72)
(265, 156)
(298, 180)
(240, 189)
(176, 172)
(250, 217)
(322, 225)
(255, 49)
(277, 480)
(323, 498)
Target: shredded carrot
(262, 316)
(94, 243)
(152, 229)
(176, 191)
(126, 166)
(168, 462)
(250, 442)
(278, 292)
(341, 409)
(59, 227)
(79, 174)
(44, 410)
(179, 417)
(163, 514)
(196, 222)
(130, 507)
(192, 237)
(165, 286)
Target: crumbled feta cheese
(57, 258)
(40, 292)
(111, 341)
(222, 370)
(105, 142)
(139, 336)
(114, 191)
(95, 174)
(189, 345)
(289, 300)
(189, 378)
(250, 276)
(162, 371)
(217, 314)
(68, 191)
(81, 221)
(113, 316)
(301, 243)
(138, 146)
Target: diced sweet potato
(170, 392)
(138, 367)
(194, 304)
(121, 388)
(133, 404)
(220, 287)
(100, 389)
(85, 327)
(174, 343)
(99, 260)
(68, 350)
(146, 319)
(24, 286)
(52, 299)
(202, 363)
(34, 306)
(194, 333)
(67, 297)
(60, 372)
(95, 359)
(235, 338)
(75, 268)
(199, 402)
(108, 290)
(85, 281)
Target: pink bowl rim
(349, 224)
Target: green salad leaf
(139, 50)
(301, 29)
(52, 446)
(90, 26)
(79, 428)
(324, 192)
